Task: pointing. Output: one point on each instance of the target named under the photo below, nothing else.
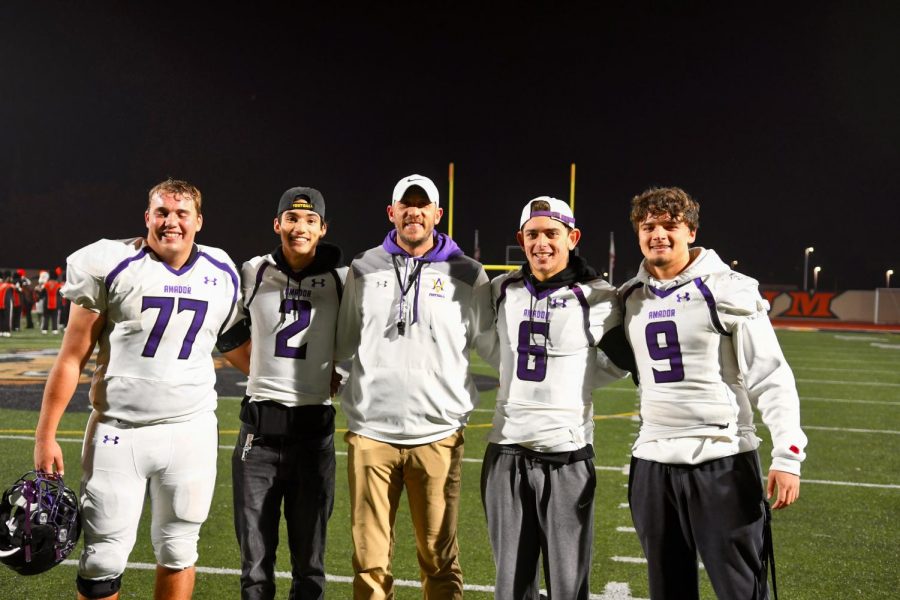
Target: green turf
(839, 541)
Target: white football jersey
(293, 325)
(706, 355)
(154, 361)
(548, 358)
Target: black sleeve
(615, 345)
(234, 337)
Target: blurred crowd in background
(30, 302)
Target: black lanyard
(404, 289)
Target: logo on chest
(685, 297)
(437, 288)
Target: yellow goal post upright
(509, 267)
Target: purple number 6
(165, 304)
(529, 351)
(670, 351)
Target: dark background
(782, 119)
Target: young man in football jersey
(156, 306)
(706, 356)
(537, 479)
(412, 309)
(285, 449)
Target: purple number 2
(670, 350)
(304, 316)
(165, 304)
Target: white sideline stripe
(884, 486)
(623, 469)
(830, 369)
(834, 382)
(849, 401)
(850, 429)
(626, 530)
(614, 590)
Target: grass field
(841, 540)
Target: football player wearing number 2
(155, 307)
(285, 449)
(706, 357)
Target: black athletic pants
(298, 471)
(714, 509)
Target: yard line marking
(850, 401)
(638, 560)
(874, 371)
(623, 469)
(625, 529)
(887, 346)
(613, 590)
(833, 382)
(884, 486)
(850, 429)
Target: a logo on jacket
(437, 288)
(558, 302)
(685, 297)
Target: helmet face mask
(39, 523)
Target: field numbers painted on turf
(165, 304)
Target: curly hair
(671, 201)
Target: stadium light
(806, 254)
(734, 263)
(887, 277)
(816, 278)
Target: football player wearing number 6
(706, 357)
(285, 449)
(156, 306)
(538, 479)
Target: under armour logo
(686, 297)
(113, 440)
(318, 282)
(208, 280)
(558, 302)
(381, 283)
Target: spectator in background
(50, 295)
(6, 304)
(27, 292)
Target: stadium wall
(852, 306)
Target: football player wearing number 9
(285, 449)
(538, 479)
(156, 307)
(706, 356)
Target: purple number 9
(303, 309)
(670, 350)
(532, 363)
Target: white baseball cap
(420, 180)
(559, 211)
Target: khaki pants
(378, 472)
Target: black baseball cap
(302, 198)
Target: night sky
(783, 120)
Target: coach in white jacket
(412, 309)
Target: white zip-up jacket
(409, 381)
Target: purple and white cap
(559, 211)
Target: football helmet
(39, 523)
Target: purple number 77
(165, 305)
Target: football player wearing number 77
(706, 356)
(554, 316)
(285, 449)
(155, 306)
